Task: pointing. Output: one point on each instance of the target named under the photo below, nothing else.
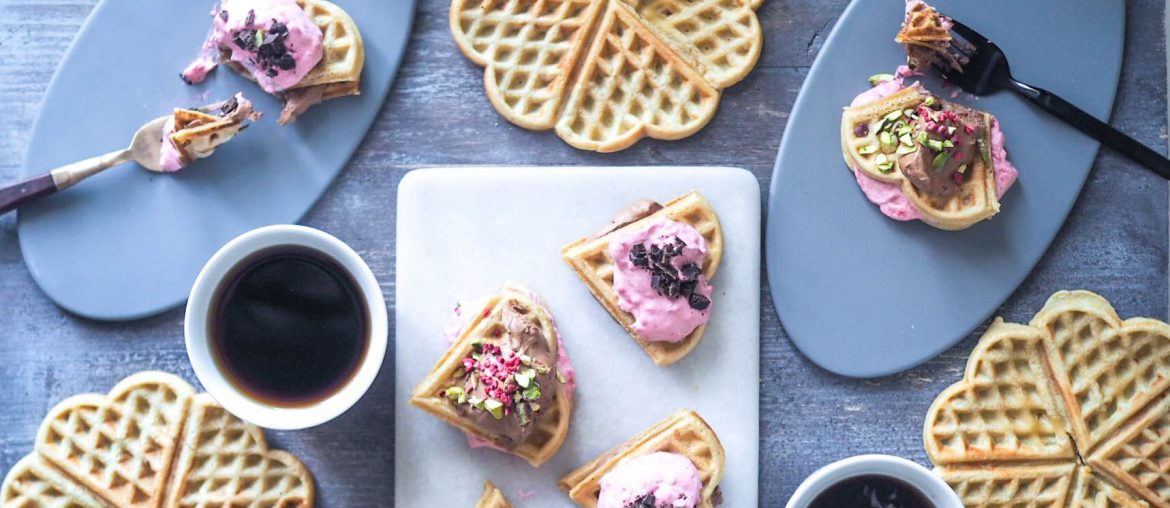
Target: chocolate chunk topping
(245, 39)
(646, 501)
(251, 18)
(667, 280)
(286, 62)
(228, 106)
(223, 15)
(271, 73)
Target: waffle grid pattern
(647, 68)
(1108, 393)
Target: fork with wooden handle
(144, 149)
(985, 71)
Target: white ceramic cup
(934, 488)
(199, 340)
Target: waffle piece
(224, 461)
(339, 72)
(120, 445)
(607, 73)
(1089, 491)
(1107, 369)
(684, 433)
(528, 48)
(429, 395)
(923, 26)
(589, 259)
(492, 497)
(1004, 408)
(197, 132)
(977, 198)
(1107, 382)
(1045, 486)
(34, 483)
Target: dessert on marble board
(152, 442)
(606, 73)
(650, 267)
(191, 134)
(505, 379)
(302, 51)
(1069, 410)
(492, 497)
(677, 463)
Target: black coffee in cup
(871, 491)
(289, 326)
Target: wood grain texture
(1115, 243)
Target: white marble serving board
(463, 232)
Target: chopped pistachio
(456, 394)
(909, 113)
(543, 369)
(921, 137)
(881, 158)
(525, 359)
(532, 392)
(495, 407)
(886, 167)
(934, 144)
(893, 115)
(948, 143)
(866, 150)
(929, 100)
(560, 378)
(962, 169)
(887, 142)
(522, 379)
(903, 149)
(878, 79)
(259, 38)
(939, 161)
(534, 406)
(950, 129)
(475, 401)
(906, 140)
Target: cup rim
(931, 485)
(198, 343)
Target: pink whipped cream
(303, 41)
(889, 196)
(170, 160)
(671, 478)
(658, 317)
(459, 321)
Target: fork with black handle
(985, 71)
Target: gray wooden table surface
(1115, 243)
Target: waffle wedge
(923, 26)
(606, 73)
(488, 326)
(684, 433)
(589, 259)
(152, 442)
(224, 460)
(33, 483)
(1070, 410)
(339, 72)
(977, 198)
(492, 497)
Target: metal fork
(985, 71)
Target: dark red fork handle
(20, 193)
(1095, 128)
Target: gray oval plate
(128, 243)
(863, 295)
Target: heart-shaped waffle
(489, 327)
(607, 73)
(590, 259)
(1071, 410)
(684, 433)
(977, 197)
(152, 442)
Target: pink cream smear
(889, 197)
(459, 321)
(658, 317)
(304, 41)
(170, 160)
(671, 478)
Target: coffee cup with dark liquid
(286, 327)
